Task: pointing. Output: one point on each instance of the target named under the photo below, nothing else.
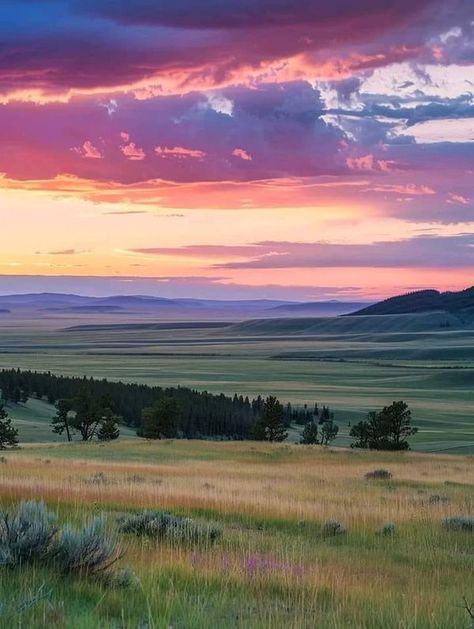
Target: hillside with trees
(91, 408)
(458, 303)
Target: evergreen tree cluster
(92, 407)
(319, 434)
(387, 429)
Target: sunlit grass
(272, 567)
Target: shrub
(124, 579)
(91, 550)
(437, 499)
(331, 528)
(136, 478)
(98, 479)
(30, 534)
(388, 530)
(160, 525)
(459, 523)
(380, 474)
(26, 535)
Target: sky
(288, 149)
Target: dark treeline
(201, 414)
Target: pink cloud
(457, 198)
(180, 152)
(89, 151)
(369, 163)
(409, 188)
(133, 152)
(243, 154)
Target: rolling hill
(457, 303)
(367, 324)
(131, 307)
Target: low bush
(380, 474)
(161, 525)
(27, 534)
(437, 499)
(125, 578)
(459, 523)
(30, 534)
(387, 530)
(331, 528)
(91, 550)
(98, 479)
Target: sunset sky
(298, 149)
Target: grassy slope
(272, 568)
(33, 422)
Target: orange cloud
(204, 77)
(326, 195)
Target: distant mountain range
(58, 304)
(459, 303)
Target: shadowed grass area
(272, 565)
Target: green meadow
(352, 364)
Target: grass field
(272, 567)
(353, 369)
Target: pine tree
(329, 432)
(60, 421)
(160, 421)
(310, 434)
(108, 430)
(272, 418)
(386, 429)
(396, 420)
(8, 434)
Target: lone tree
(270, 426)
(8, 434)
(387, 429)
(60, 421)
(160, 421)
(396, 419)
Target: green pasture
(350, 369)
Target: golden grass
(270, 501)
(301, 484)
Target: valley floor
(353, 370)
